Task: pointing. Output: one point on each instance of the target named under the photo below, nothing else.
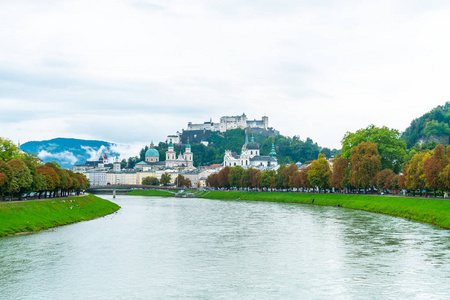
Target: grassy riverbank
(151, 193)
(29, 216)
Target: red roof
(106, 156)
(215, 166)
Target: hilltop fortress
(228, 123)
(198, 133)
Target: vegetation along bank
(30, 216)
(426, 210)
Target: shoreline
(424, 210)
(25, 217)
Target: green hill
(431, 127)
(289, 150)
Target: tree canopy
(391, 148)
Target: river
(163, 248)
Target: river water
(162, 248)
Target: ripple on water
(181, 248)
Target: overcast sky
(135, 71)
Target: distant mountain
(68, 152)
(431, 127)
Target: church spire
(188, 145)
(273, 153)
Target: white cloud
(133, 71)
(93, 153)
(65, 156)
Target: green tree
(165, 179)
(235, 176)
(75, 181)
(146, 180)
(320, 173)
(22, 177)
(366, 162)
(326, 152)
(391, 148)
(32, 161)
(154, 181)
(8, 150)
(268, 179)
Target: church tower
(116, 165)
(171, 155)
(188, 155)
(273, 153)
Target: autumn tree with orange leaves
(366, 162)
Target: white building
(229, 123)
(183, 160)
(96, 177)
(250, 157)
(176, 138)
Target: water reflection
(163, 248)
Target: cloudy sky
(132, 71)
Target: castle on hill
(199, 133)
(229, 123)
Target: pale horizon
(130, 72)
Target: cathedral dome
(252, 146)
(152, 152)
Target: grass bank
(431, 211)
(151, 193)
(29, 216)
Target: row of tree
(180, 180)
(24, 173)
(427, 170)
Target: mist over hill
(68, 152)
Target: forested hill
(289, 150)
(68, 152)
(431, 127)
